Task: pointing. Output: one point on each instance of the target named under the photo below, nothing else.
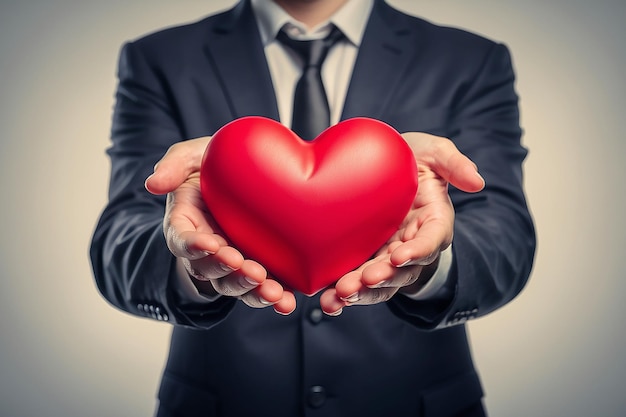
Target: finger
(249, 276)
(233, 285)
(224, 262)
(370, 296)
(387, 275)
(330, 303)
(180, 160)
(268, 293)
(386, 250)
(407, 232)
(347, 287)
(456, 168)
(193, 245)
(424, 248)
(287, 304)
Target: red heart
(309, 212)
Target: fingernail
(405, 263)
(283, 314)
(225, 267)
(336, 313)
(380, 284)
(264, 301)
(246, 282)
(480, 177)
(352, 298)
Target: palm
(188, 215)
(429, 223)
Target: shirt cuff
(438, 280)
(187, 292)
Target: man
(392, 341)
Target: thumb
(461, 172)
(179, 162)
(441, 156)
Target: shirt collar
(351, 19)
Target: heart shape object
(309, 212)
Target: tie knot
(313, 52)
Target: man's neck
(311, 12)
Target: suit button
(317, 396)
(316, 316)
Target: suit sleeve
(494, 237)
(133, 268)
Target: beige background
(557, 350)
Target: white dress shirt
(286, 66)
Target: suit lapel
(236, 52)
(386, 50)
(235, 48)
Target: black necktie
(311, 114)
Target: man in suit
(392, 341)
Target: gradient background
(557, 350)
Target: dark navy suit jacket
(400, 358)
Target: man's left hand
(411, 255)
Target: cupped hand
(215, 267)
(411, 255)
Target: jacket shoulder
(183, 36)
(445, 37)
(175, 35)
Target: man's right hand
(193, 237)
